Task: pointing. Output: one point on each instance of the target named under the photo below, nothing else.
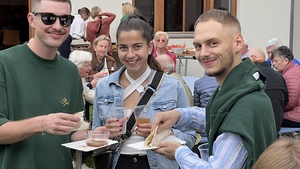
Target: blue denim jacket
(170, 95)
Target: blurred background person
(167, 66)
(161, 40)
(100, 25)
(273, 44)
(282, 153)
(83, 59)
(127, 10)
(245, 48)
(282, 60)
(203, 89)
(102, 63)
(275, 84)
(77, 31)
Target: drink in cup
(142, 113)
(121, 114)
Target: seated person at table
(273, 44)
(203, 89)
(275, 84)
(167, 66)
(102, 62)
(82, 59)
(282, 60)
(161, 40)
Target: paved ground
(83, 166)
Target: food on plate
(176, 46)
(96, 142)
(154, 138)
(84, 125)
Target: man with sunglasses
(39, 92)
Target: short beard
(223, 69)
(215, 74)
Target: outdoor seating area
(149, 84)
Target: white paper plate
(81, 145)
(140, 145)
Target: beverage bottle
(112, 69)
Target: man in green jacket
(239, 119)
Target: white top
(78, 27)
(134, 138)
(87, 93)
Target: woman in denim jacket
(135, 52)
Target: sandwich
(84, 125)
(154, 138)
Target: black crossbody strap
(146, 98)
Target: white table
(185, 57)
(284, 130)
(80, 146)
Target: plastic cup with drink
(143, 113)
(121, 114)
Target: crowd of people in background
(240, 103)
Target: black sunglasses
(50, 18)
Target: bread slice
(84, 125)
(154, 138)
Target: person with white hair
(83, 59)
(167, 65)
(273, 44)
(245, 49)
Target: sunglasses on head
(50, 18)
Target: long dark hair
(137, 22)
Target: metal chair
(190, 81)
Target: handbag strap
(145, 100)
(99, 27)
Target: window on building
(178, 16)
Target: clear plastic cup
(142, 113)
(121, 114)
(97, 139)
(203, 150)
